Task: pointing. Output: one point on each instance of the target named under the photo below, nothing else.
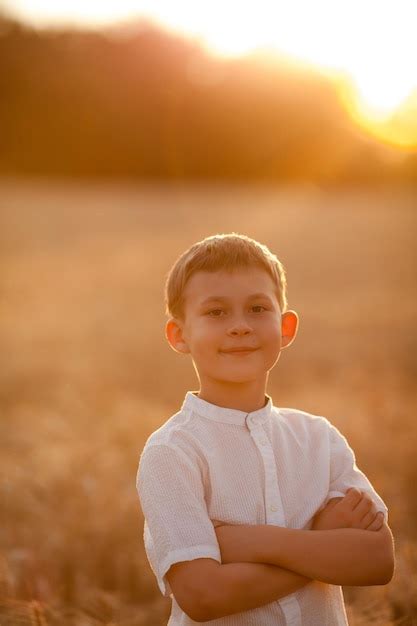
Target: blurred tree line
(146, 103)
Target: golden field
(87, 375)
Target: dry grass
(87, 375)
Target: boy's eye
(256, 308)
(215, 312)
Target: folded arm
(349, 544)
(249, 577)
(342, 556)
(254, 559)
(208, 590)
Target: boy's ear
(289, 327)
(174, 335)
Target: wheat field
(86, 373)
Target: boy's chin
(238, 379)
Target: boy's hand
(354, 510)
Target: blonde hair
(221, 252)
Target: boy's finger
(332, 502)
(353, 497)
(377, 523)
(363, 507)
(367, 520)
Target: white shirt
(209, 464)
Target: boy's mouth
(241, 350)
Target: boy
(254, 515)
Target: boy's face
(228, 311)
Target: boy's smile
(233, 329)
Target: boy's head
(226, 252)
(226, 298)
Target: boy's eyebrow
(225, 298)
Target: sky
(370, 44)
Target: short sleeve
(177, 526)
(344, 473)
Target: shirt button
(263, 442)
(273, 508)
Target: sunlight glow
(372, 42)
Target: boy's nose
(240, 328)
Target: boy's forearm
(243, 586)
(343, 556)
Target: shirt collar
(224, 414)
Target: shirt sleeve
(344, 473)
(177, 526)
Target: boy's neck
(243, 397)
